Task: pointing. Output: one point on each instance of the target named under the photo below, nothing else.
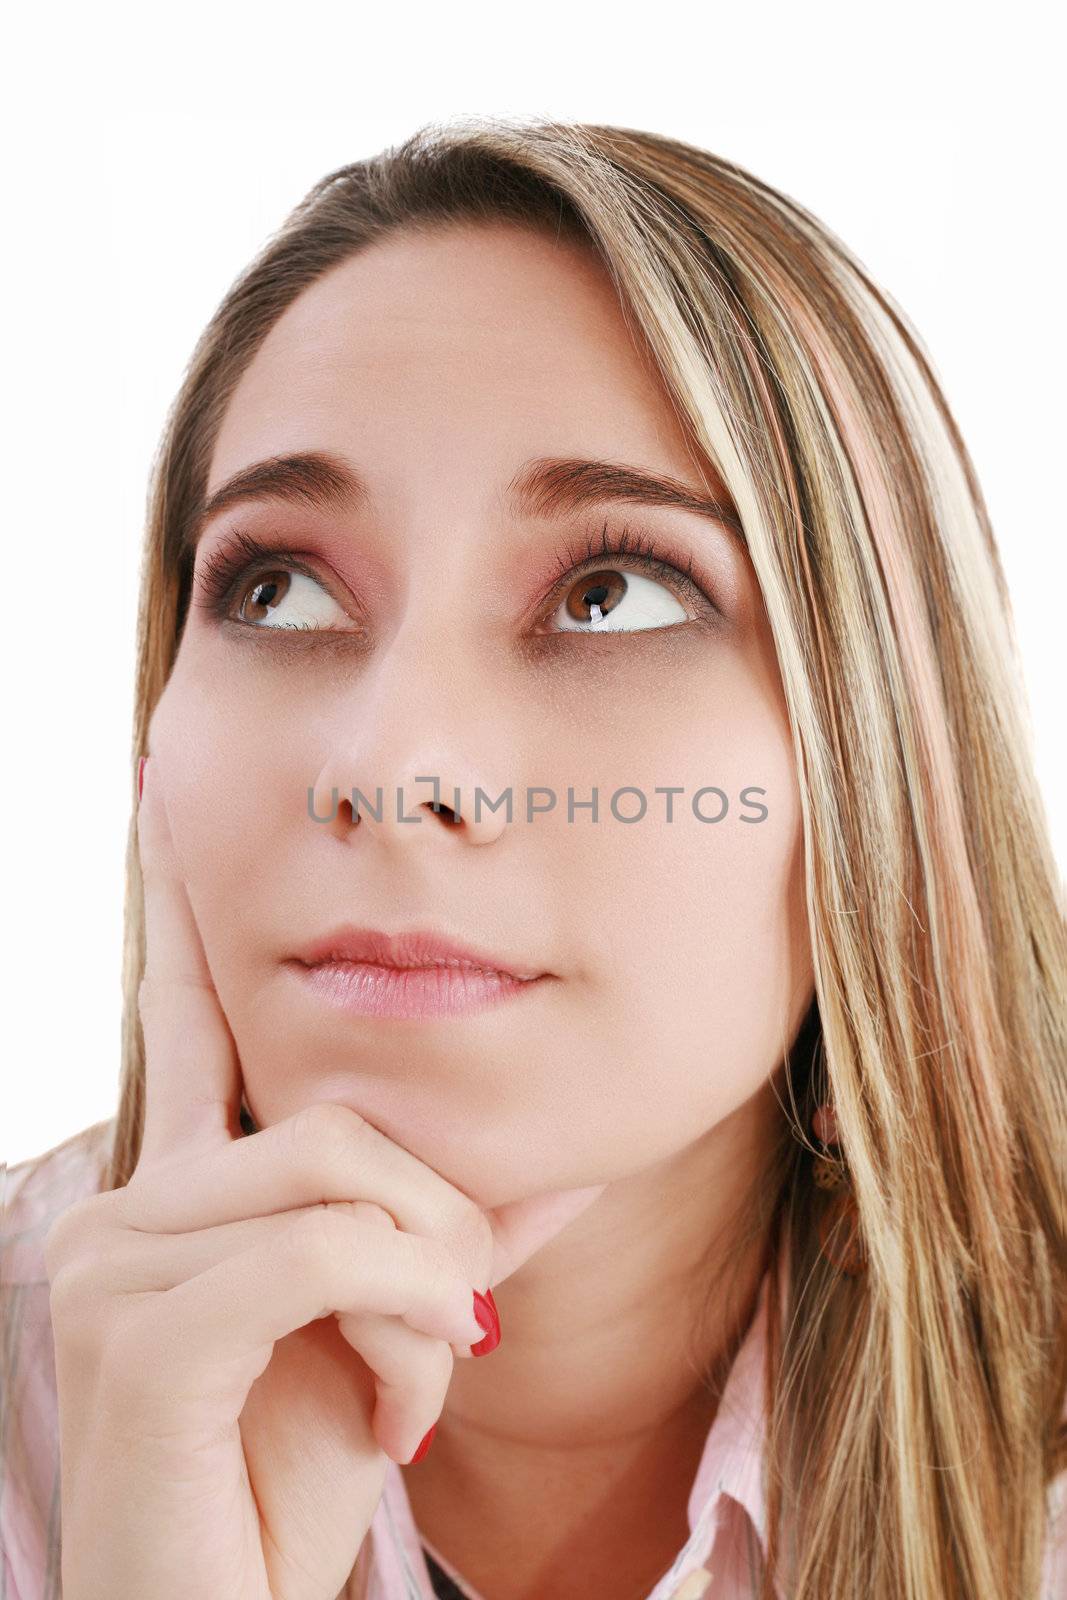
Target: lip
(410, 948)
(416, 973)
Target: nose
(416, 752)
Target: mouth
(414, 975)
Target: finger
(324, 1152)
(134, 1261)
(325, 1262)
(409, 1367)
(192, 1073)
(411, 1373)
(522, 1227)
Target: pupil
(600, 591)
(264, 593)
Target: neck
(591, 1415)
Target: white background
(146, 158)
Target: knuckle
(293, 1136)
(79, 1305)
(367, 1211)
(323, 1130)
(446, 1366)
(468, 1235)
(435, 1266)
(440, 1364)
(66, 1286)
(70, 1228)
(330, 1248)
(320, 1239)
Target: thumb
(522, 1227)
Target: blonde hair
(914, 1416)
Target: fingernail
(140, 776)
(423, 1447)
(488, 1317)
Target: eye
(286, 599)
(610, 601)
(247, 582)
(637, 591)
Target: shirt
(722, 1559)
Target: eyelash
(226, 571)
(236, 563)
(642, 551)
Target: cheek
(697, 963)
(236, 767)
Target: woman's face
(446, 630)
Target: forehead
(460, 339)
(493, 286)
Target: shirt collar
(733, 1459)
(732, 1462)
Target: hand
(249, 1330)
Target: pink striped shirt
(722, 1559)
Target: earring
(839, 1233)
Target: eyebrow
(543, 487)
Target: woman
(589, 854)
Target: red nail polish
(140, 776)
(423, 1447)
(488, 1317)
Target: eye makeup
(639, 550)
(231, 567)
(225, 574)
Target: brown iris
(604, 589)
(268, 590)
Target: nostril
(449, 814)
